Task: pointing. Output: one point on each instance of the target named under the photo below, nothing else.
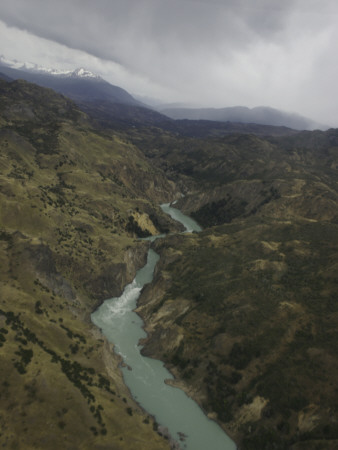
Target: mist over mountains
(262, 115)
(87, 88)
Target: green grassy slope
(245, 313)
(246, 316)
(72, 201)
(242, 175)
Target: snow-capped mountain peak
(83, 73)
(32, 67)
(79, 84)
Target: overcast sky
(218, 53)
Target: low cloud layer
(207, 52)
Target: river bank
(171, 407)
(163, 334)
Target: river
(145, 377)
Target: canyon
(243, 314)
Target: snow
(32, 67)
(83, 73)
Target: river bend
(145, 377)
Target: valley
(244, 313)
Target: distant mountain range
(261, 115)
(111, 104)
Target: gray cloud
(217, 52)
(106, 27)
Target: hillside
(73, 199)
(245, 313)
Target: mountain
(259, 115)
(5, 77)
(109, 105)
(79, 85)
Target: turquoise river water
(145, 377)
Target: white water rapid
(145, 377)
